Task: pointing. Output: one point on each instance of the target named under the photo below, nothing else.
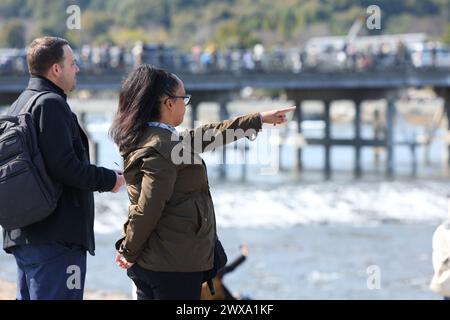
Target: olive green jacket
(171, 223)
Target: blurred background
(339, 203)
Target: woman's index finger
(286, 110)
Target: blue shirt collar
(162, 125)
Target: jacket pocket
(202, 220)
(180, 217)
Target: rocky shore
(8, 292)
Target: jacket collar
(156, 138)
(38, 83)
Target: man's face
(69, 69)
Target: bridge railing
(242, 62)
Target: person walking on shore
(170, 233)
(222, 292)
(440, 283)
(51, 254)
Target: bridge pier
(327, 139)
(389, 136)
(413, 148)
(358, 142)
(282, 135)
(194, 114)
(246, 148)
(223, 115)
(299, 117)
(378, 132)
(93, 145)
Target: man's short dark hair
(43, 53)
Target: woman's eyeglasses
(186, 98)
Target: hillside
(224, 22)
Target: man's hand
(120, 181)
(277, 116)
(122, 262)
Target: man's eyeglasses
(186, 98)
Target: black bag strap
(32, 101)
(9, 117)
(212, 290)
(32, 139)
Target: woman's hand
(122, 262)
(120, 181)
(244, 249)
(277, 116)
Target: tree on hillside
(446, 37)
(232, 34)
(13, 35)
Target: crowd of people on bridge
(238, 59)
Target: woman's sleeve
(159, 175)
(211, 136)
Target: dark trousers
(153, 285)
(50, 272)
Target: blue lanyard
(162, 125)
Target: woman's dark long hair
(139, 103)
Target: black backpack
(27, 194)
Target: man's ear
(55, 69)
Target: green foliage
(232, 34)
(10, 8)
(13, 34)
(400, 24)
(96, 23)
(128, 36)
(446, 37)
(227, 22)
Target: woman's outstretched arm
(211, 136)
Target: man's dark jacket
(65, 149)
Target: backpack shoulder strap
(32, 101)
